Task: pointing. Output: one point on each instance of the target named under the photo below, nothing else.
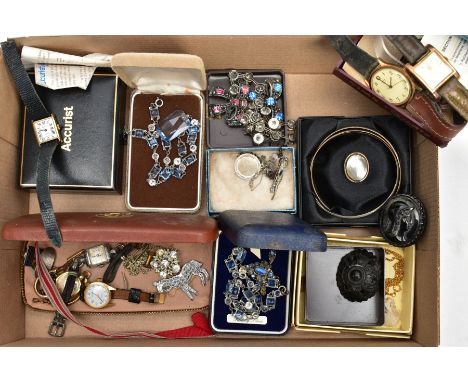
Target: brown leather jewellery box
(307, 63)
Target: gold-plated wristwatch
(433, 71)
(46, 129)
(391, 82)
(98, 295)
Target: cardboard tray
(307, 62)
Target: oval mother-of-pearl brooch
(356, 167)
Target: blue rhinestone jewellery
(175, 126)
(254, 288)
(253, 106)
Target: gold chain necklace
(392, 285)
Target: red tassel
(200, 328)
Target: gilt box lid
(271, 230)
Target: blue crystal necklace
(254, 288)
(175, 126)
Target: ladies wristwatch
(433, 71)
(420, 103)
(47, 133)
(391, 82)
(98, 295)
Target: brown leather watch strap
(136, 296)
(435, 124)
(456, 96)
(411, 48)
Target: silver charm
(182, 280)
(251, 167)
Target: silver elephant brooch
(182, 280)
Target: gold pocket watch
(60, 281)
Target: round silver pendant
(246, 166)
(356, 167)
(177, 161)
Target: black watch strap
(410, 47)
(26, 90)
(116, 260)
(37, 111)
(43, 194)
(359, 59)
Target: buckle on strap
(57, 326)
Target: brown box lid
(116, 227)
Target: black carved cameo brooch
(402, 220)
(359, 275)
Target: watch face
(392, 84)
(433, 70)
(97, 256)
(46, 130)
(97, 295)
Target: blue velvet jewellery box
(252, 270)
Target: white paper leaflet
(59, 71)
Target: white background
(23, 18)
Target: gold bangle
(351, 130)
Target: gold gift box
(402, 302)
